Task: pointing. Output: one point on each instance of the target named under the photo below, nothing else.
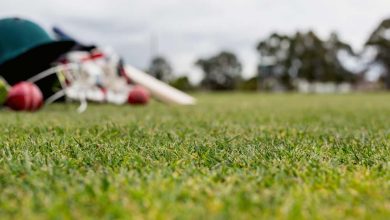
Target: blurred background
(322, 46)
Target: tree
(336, 72)
(161, 69)
(182, 83)
(380, 40)
(222, 72)
(275, 61)
(249, 84)
(303, 56)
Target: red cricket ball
(138, 96)
(24, 96)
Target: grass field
(233, 156)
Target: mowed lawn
(232, 156)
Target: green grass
(233, 156)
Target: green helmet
(26, 49)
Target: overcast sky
(188, 29)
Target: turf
(232, 156)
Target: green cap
(18, 36)
(26, 49)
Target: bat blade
(159, 89)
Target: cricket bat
(157, 88)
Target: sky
(186, 30)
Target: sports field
(232, 156)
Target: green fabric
(3, 92)
(18, 36)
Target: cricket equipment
(158, 89)
(132, 75)
(96, 76)
(24, 96)
(89, 73)
(88, 76)
(138, 96)
(26, 49)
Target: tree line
(284, 59)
